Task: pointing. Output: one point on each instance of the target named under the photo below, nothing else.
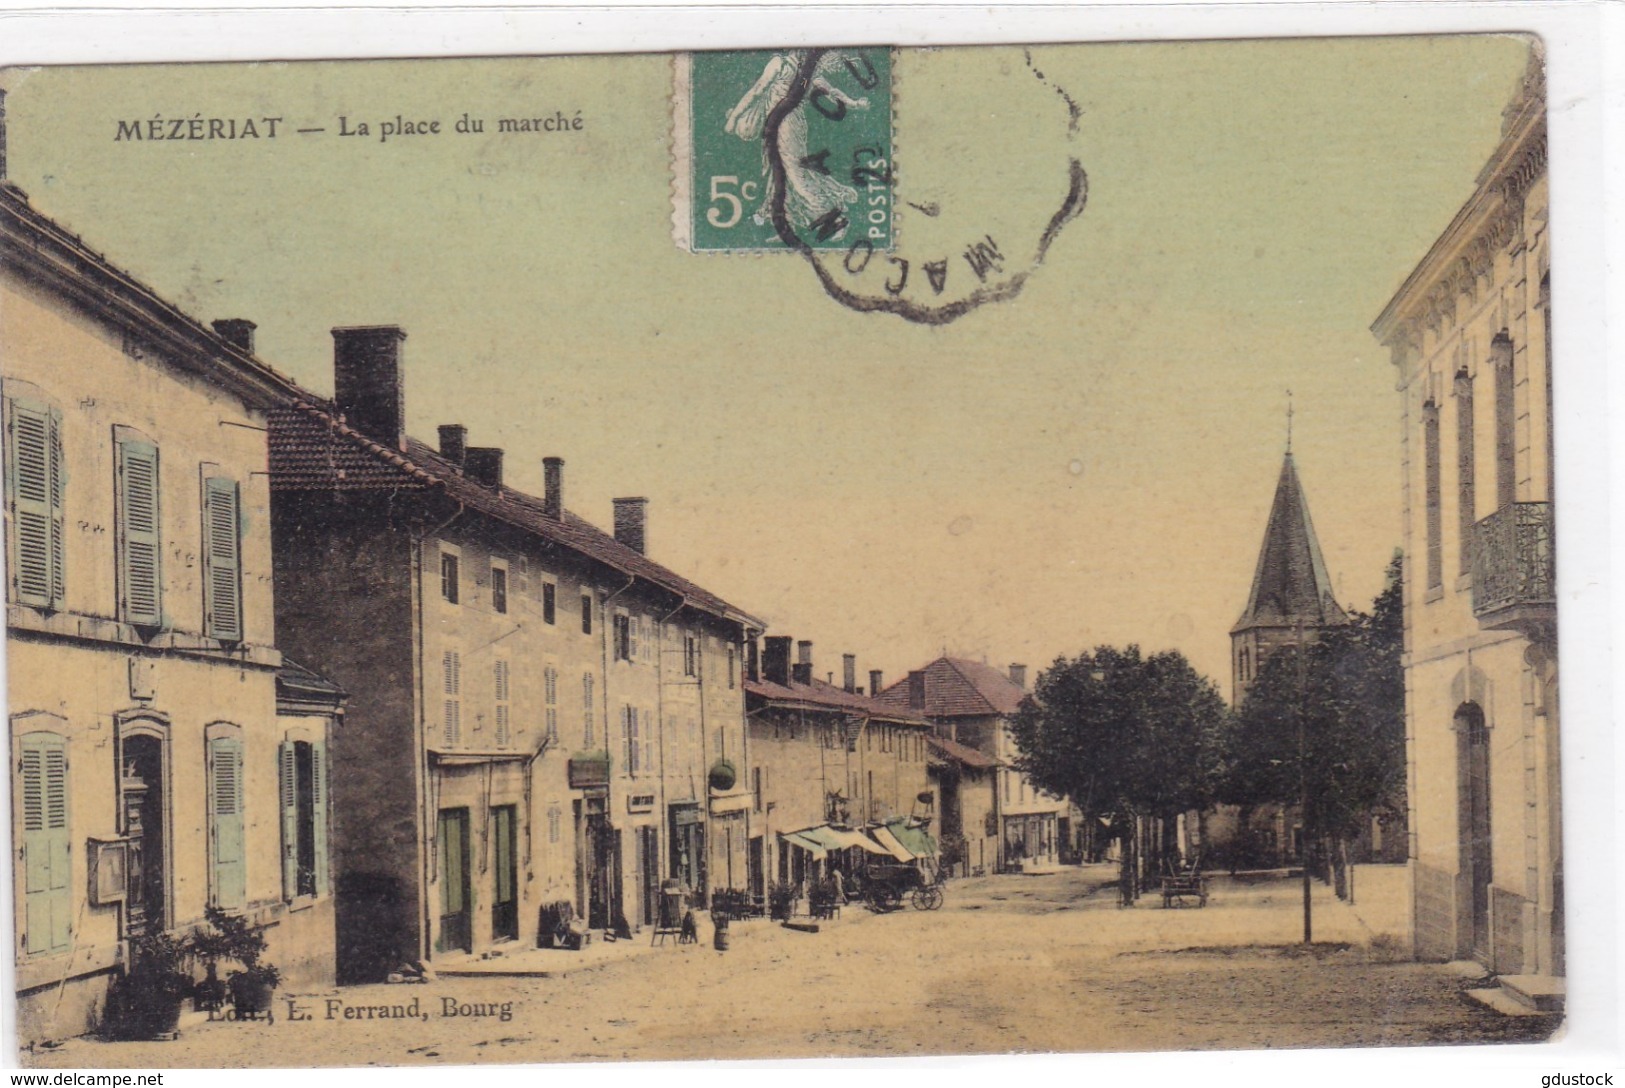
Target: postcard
(901, 627)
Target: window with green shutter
(230, 885)
(43, 793)
(222, 560)
(139, 539)
(34, 487)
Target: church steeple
(1290, 585)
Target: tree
(1351, 695)
(1123, 735)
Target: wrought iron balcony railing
(1514, 566)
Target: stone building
(540, 714)
(1469, 331)
(834, 772)
(970, 704)
(162, 760)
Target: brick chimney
(236, 331)
(874, 681)
(776, 659)
(454, 443)
(916, 690)
(367, 386)
(1018, 676)
(631, 522)
(484, 465)
(553, 487)
(803, 672)
(849, 673)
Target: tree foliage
(1351, 698)
(1123, 733)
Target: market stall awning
(802, 840)
(916, 840)
(896, 849)
(855, 839)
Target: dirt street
(1011, 963)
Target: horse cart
(885, 886)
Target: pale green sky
(1092, 461)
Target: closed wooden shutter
(629, 746)
(319, 817)
(586, 711)
(35, 485)
(452, 666)
(226, 810)
(288, 802)
(551, 682)
(222, 560)
(646, 737)
(46, 891)
(139, 538)
(503, 720)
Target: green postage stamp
(781, 149)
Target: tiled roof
(313, 449)
(293, 679)
(955, 687)
(1290, 584)
(963, 753)
(820, 695)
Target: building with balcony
(165, 759)
(1470, 331)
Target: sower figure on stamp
(810, 194)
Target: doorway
(604, 902)
(1473, 739)
(456, 929)
(648, 875)
(505, 904)
(142, 791)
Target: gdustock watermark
(1558, 1080)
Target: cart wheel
(928, 898)
(883, 898)
(921, 898)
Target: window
(1506, 421)
(587, 737)
(499, 589)
(139, 540)
(34, 493)
(43, 792)
(691, 656)
(449, 588)
(549, 602)
(550, 679)
(554, 819)
(756, 788)
(624, 642)
(586, 613)
(229, 887)
(1431, 487)
(1466, 495)
(452, 668)
(500, 686)
(730, 668)
(222, 560)
(629, 739)
(302, 778)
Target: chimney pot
(484, 464)
(916, 690)
(776, 659)
(631, 523)
(874, 681)
(849, 673)
(236, 331)
(804, 652)
(1018, 676)
(553, 487)
(367, 386)
(454, 443)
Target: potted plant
(781, 901)
(145, 1002)
(233, 937)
